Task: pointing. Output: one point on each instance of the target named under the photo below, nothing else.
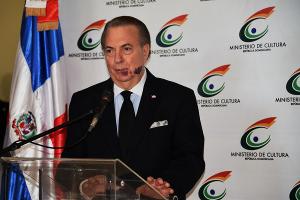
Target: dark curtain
(3, 115)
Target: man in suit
(165, 144)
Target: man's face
(124, 55)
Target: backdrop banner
(241, 58)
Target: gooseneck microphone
(104, 101)
(138, 70)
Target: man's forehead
(127, 27)
(119, 36)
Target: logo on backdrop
(89, 40)
(250, 140)
(211, 85)
(166, 37)
(129, 3)
(292, 87)
(255, 28)
(25, 125)
(293, 84)
(207, 88)
(295, 192)
(214, 187)
(255, 138)
(249, 32)
(169, 35)
(90, 36)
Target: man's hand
(159, 184)
(94, 185)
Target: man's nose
(118, 56)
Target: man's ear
(146, 51)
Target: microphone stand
(19, 143)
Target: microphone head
(138, 70)
(106, 96)
(105, 99)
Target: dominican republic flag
(38, 98)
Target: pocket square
(159, 124)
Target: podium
(47, 178)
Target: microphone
(106, 98)
(138, 70)
(104, 101)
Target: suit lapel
(109, 127)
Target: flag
(38, 98)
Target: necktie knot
(126, 95)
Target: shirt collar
(137, 89)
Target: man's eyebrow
(124, 45)
(127, 44)
(107, 47)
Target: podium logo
(169, 35)
(293, 84)
(25, 126)
(90, 37)
(250, 141)
(249, 32)
(213, 188)
(206, 87)
(295, 192)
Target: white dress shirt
(135, 97)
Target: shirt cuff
(86, 197)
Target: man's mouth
(123, 71)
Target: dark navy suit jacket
(172, 150)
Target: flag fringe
(47, 26)
(35, 11)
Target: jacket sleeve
(187, 163)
